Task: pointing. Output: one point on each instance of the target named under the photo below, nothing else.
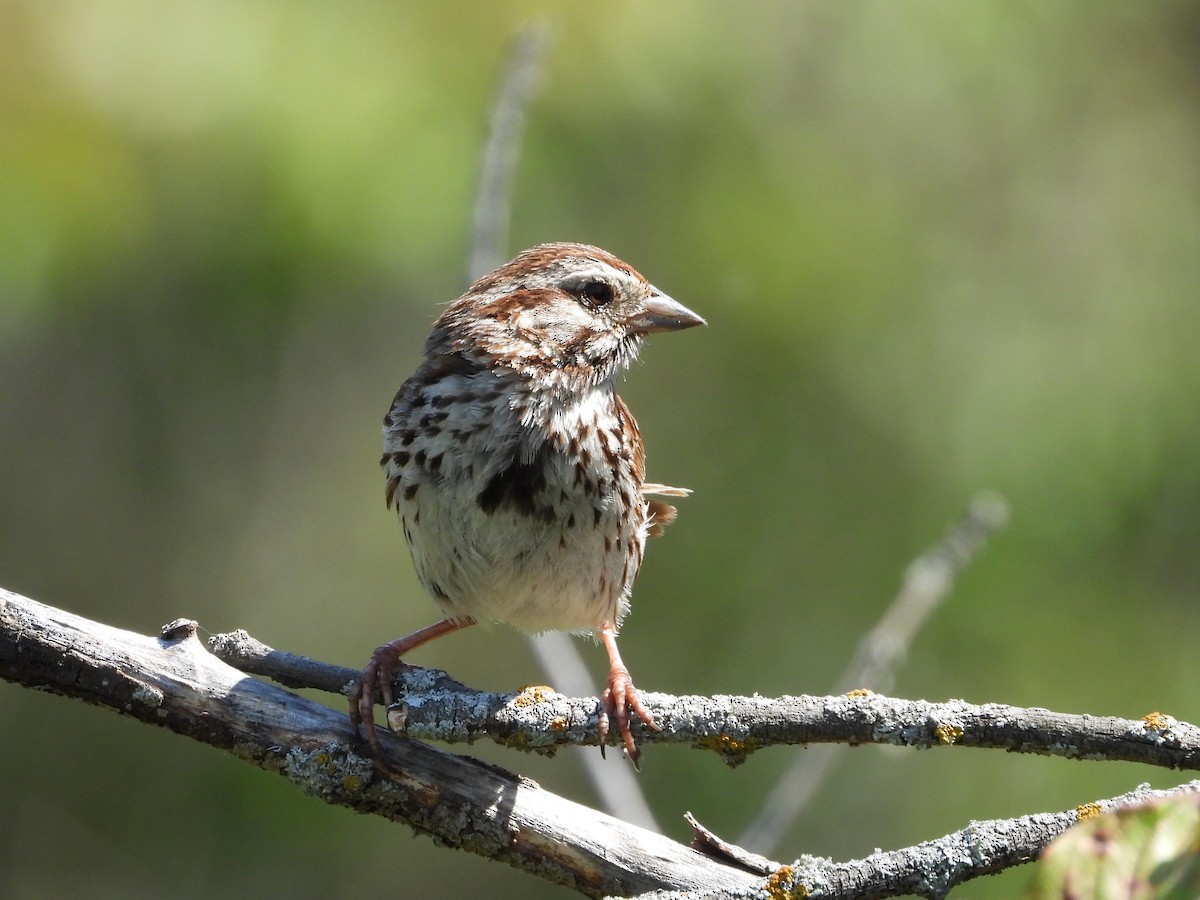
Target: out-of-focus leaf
(1148, 851)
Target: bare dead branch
(172, 681)
(460, 802)
(711, 844)
(498, 163)
(929, 869)
(436, 707)
(927, 584)
(616, 785)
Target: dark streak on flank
(518, 487)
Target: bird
(518, 473)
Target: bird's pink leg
(620, 696)
(380, 671)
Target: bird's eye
(596, 292)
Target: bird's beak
(660, 313)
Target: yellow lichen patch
(781, 887)
(352, 783)
(1157, 721)
(531, 694)
(323, 759)
(1088, 811)
(559, 723)
(947, 733)
(859, 693)
(733, 751)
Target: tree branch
(172, 681)
(927, 584)
(498, 162)
(618, 788)
(930, 869)
(434, 706)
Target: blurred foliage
(942, 247)
(1142, 853)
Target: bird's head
(568, 314)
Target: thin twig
(493, 197)
(433, 706)
(615, 784)
(614, 780)
(927, 583)
(930, 869)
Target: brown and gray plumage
(517, 472)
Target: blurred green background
(941, 247)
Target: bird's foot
(620, 696)
(377, 675)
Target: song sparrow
(517, 471)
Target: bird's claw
(620, 696)
(376, 675)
